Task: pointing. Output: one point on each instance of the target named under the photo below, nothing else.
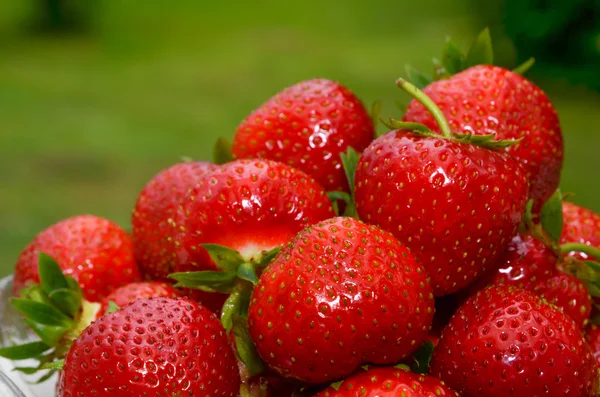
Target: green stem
(236, 303)
(578, 247)
(429, 105)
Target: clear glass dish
(14, 331)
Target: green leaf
(27, 370)
(51, 275)
(67, 300)
(338, 195)
(222, 151)
(225, 258)
(422, 358)
(268, 257)
(453, 58)
(23, 352)
(58, 364)
(41, 313)
(418, 78)
(595, 266)
(208, 281)
(551, 216)
(49, 334)
(524, 67)
(236, 304)
(402, 367)
(350, 162)
(409, 126)
(336, 385)
(481, 52)
(35, 293)
(246, 272)
(245, 347)
(112, 307)
(46, 377)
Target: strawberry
(156, 204)
(156, 346)
(508, 342)
(94, 251)
(388, 381)
(340, 294)
(250, 206)
(582, 226)
(454, 200)
(568, 293)
(131, 292)
(307, 126)
(592, 336)
(486, 99)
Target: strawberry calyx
(236, 276)
(484, 141)
(454, 60)
(56, 312)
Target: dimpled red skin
(456, 206)
(389, 381)
(95, 251)
(592, 336)
(581, 225)
(153, 347)
(568, 293)
(508, 342)
(530, 264)
(248, 205)
(341, 294)
(307, 126)
(155, 205)
(143, 289)
(488, 99)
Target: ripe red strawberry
(453, 202)
(581, 226)
(250, 206)
(388, 381)
(94, 251)
(530, 264)
(508, 342)
(143, 289)
(568, 293)
(340, 294)
(307, 126)
(157, 346)
(488, 99)
(592, 335)
(156, 204)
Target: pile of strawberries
(316, 257)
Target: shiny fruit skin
(155, 205)
(505, 341)
(341, 294)
(250, 206)
(389, 382)
(456, 206)
(581, 225)
(487, 99)
(307, 126)
(592, 336)
(96, 252)
(153, 347)
(129, 293)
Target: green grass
(85, 122)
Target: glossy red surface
(153, 347)
(307, 126)
(456, 206)
(488, 99)
(93, 250)
(343, 293)
(508, 342)
(581, 225)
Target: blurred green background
(93, 103)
